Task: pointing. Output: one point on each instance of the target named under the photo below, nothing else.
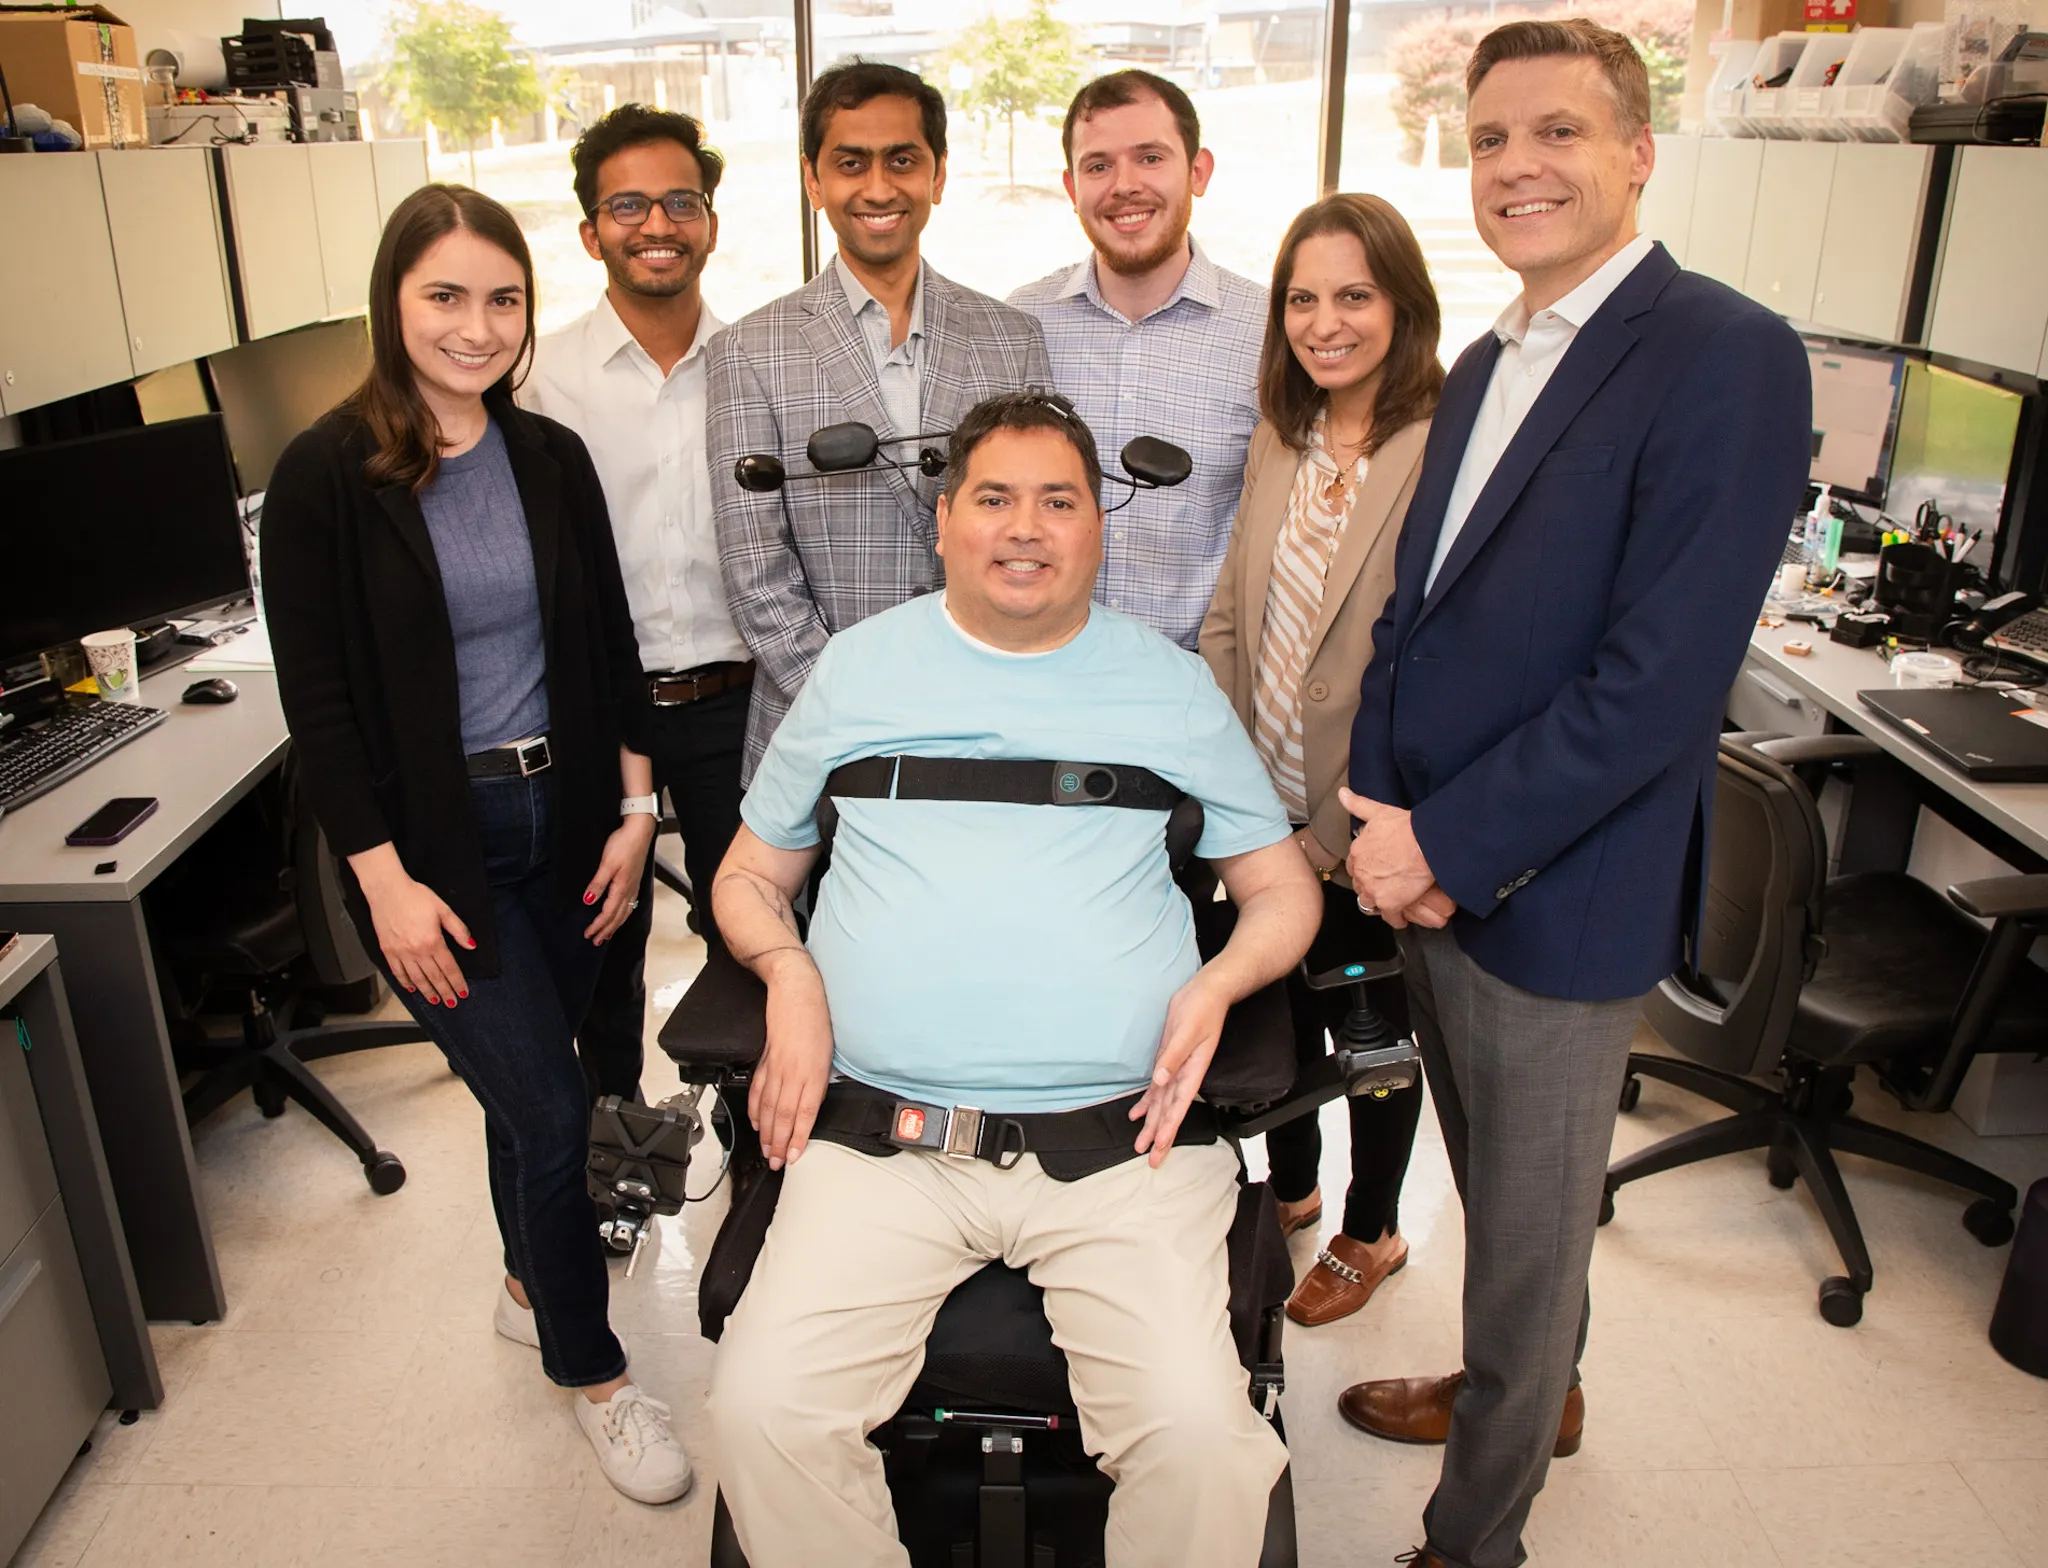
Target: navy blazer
(1549, 709)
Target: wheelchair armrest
(718, 1030)
(1795, 750)
(2003, 898)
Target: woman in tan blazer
(1348, 379)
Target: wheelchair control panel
(639, 1160)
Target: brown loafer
(1418, 1410)
(1342, 1280)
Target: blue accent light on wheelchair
(1353, 971)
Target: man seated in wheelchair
(977, 943)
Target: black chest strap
(1003, 781)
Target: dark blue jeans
(513, 1042)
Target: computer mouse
(215, 690)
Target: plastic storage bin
(1764, 107)
(1728, 92)
(1809, 99)
(1890, 72)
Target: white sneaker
(515, 1322)
(635, 1446)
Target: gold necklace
(1338, 490)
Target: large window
(1254, 74)
(1007, 67)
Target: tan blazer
(1361, 577)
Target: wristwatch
(642, 805)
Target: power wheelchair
(985, 1461)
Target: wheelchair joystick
(1371, 1059)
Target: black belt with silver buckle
(520, 760)
(1069, 1144)
(674, 688)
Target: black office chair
(1802, 980)
(253, 912)
(985, 1460)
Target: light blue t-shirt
(1018, 958)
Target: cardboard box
(79, 64)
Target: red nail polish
(463, 994)
(589, 898)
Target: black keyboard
(2026, 636)
(68, 740)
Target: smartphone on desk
(112, 822)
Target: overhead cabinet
(1785, 236)
(345, 201)
(167, 254)
(1724, 208)
(61, 327)
(1870, 250)
(1991, 297)
(1665, 212)
(275, 231)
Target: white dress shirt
(646, 435)
(899, 367)
(1530, 349)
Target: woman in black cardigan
(459, 672)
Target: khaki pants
(830, 1335)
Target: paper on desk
(248, 651)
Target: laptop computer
(1997, 737)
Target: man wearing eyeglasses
(629, 378)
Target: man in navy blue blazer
(1609, 480)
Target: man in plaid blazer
(877, 337)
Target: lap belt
(1016, 783)
(1069, 1144)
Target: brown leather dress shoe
(1342, 1280)
(1418, 1410)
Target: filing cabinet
(51, 1365)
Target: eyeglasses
(630, 208)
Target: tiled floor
(355, 1407)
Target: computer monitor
(1855, 418)
(273, 388)
(116, 530)
(1955, 448)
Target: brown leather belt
(673, 688)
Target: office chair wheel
(269, 1097)
(1631, 1093)
(1783, 1170)
(1988, 1222)
(1606, 1205)
(1841, 1303)
(385, 1173)
(691, 922)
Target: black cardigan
(366, 660)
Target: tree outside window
(452, 62)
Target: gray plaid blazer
(813, 558)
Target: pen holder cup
(1916, 586)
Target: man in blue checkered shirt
(1150, 337)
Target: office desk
(197, 763)
(1830, 677)
(32, 986)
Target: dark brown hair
(406, 437)
(854, 82)
(1411, 377)
(1623, 67)
(636, 125)
(1119, 90)
(1020, 411)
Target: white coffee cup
(112, 656)
(1792, 580)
